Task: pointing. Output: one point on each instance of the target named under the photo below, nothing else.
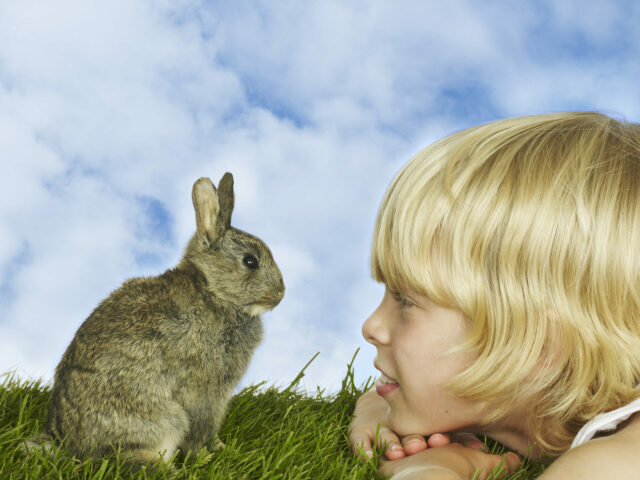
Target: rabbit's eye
(250, 261)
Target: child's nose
(374, 330)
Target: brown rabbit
(154, 366)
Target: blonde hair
(531, 227)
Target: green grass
(269, 433)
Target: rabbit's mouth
(257, 309)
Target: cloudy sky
(110, 110)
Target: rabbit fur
(152, 369)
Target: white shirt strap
(605, 422)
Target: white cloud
(313, 107)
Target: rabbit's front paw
(216, 444)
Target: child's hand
(370, 419)
(371, 412)
(452, 461)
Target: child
(510, 257)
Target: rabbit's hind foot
(42, 442)
(152, 457)
(148, 459)
(216, 444)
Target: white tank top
(605, 422)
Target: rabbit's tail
(42, 441)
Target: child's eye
(401, 299)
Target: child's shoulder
(607, 423)
(614, 456)
(630, 430)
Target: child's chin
(403, 424)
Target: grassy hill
(269, 434)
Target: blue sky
(110, 110)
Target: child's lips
(385, 385)
(384, 389)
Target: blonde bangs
(406, 232)
(530, 226)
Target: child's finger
(512, 462)
(438, 440)
(469, 440)
(361, 444)
(509, 463)
(414, 444)
(391, 444)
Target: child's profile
(509, 255)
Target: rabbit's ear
(225, 194)
(205, 202)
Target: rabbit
(151, 370)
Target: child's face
(411, 342)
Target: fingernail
(395, 446)
(369, 453)
(514, 456)
(415, 442)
